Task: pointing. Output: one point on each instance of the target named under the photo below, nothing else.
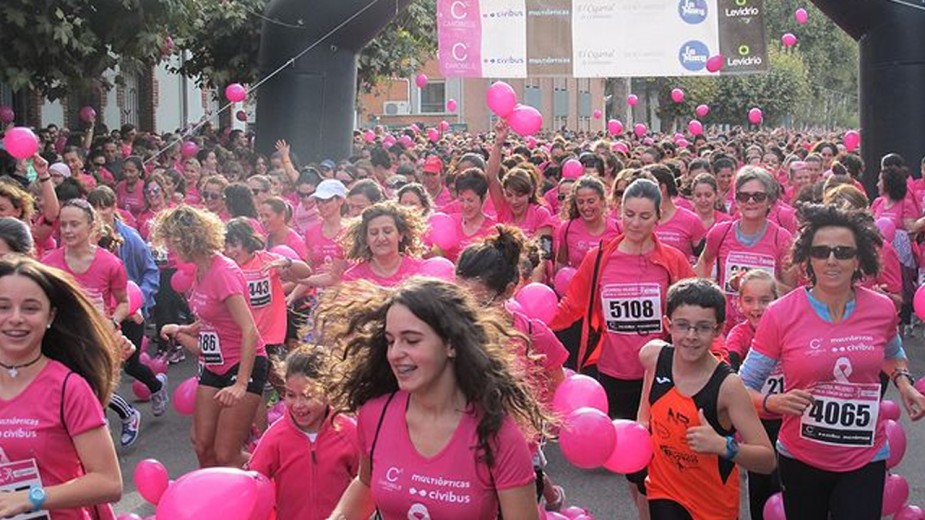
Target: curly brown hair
(352, 321)
(19, 198)
(192, 232)
(408, 223)
(861, 224)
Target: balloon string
(269, 76)
(907, 4)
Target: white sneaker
(160, 399)
(130, 429)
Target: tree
(63, 47)
(224, 39)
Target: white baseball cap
(330, 188)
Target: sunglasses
(840, 252)
(208, 195)
(258, 191)
(305, 194)
(153, 190)
(744, 196)
(561, 197)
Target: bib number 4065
(833, 413)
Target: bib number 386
(842, 414)
(210, 348)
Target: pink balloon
(682, 143)
(579, 391)
(439, 267)
(801, 16)
(889, 410)
(186, 267)
(151, 480)
(285, 251)
(235, 92)
(451, 105)
(443, 126)
(141, 391)
(715, 63)
(158, 365)
(389, 140)
(563, 278)
(421, 80)
(144, 358)
(538, 300)
(433, 135)
(573, 512)
(572, 169)
(135, 298)
(702, 110)
(910, 513)
(406, 141)
(597, 114)
(501, 99)
(369, 136)
(920, 384)
(87, 114)
(632, 99)
(640, 129)
(896, 437)
(189, 149)
(918, 304)
(587, 439)
(895, 494)
(20, 142)
(276, 412)
(531, 142)
(678, 136)
(615, 127)
(184, 397)
(788, 39)
(241, 115)
(774, 507)
(695, 127)
(554, 515)
(525, 120)
(6, 114)
(633, 450)
(620, 146)
(512, 306)
(181, 282)
(887, 228)
(852, 140)
(677, 95)
(441, 231)
(226, 493)
(755, 116)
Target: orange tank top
(707, 486)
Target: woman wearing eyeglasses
(832, 338)
(750, 242)
(213, 198)
(261, 188)
(155, 201)
(305, 213)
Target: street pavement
(606, 495)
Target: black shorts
(623, 396)
(254, 386)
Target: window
(433, 98)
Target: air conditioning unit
(396, 108)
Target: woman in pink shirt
(704, 192)
(587, 225)
(192, 173)
(224, 335)
(311, 454)
(213, 196)
(322, 240)
(18, 203)
(58, 359)
(274, 217)
(156, 200)
(832, 339)
(442, 405)
(471, 222)
(130, 190)
(893, 202)
(677, 227)
(386, 244)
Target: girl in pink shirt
(385, 242)
(471, 222)
(274, 217)
(433, 386)
(587, 223)
(130, 191)
(677, 227)
(58, 361)
(155, 201)
(703, 193)
(224, 335)
(311, 454)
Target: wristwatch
(732, 448)
(37, 497)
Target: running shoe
(176, 356)
(130, 429)
(160, 399)
(557, 504)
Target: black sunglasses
(840, 252)
(208, 195)
(258, 191)
(744, 196)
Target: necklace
(13, 370)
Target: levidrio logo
(694, 55)
(693, 11)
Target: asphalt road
(606, 495)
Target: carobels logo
(693, 11)
(693, 55)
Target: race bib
(632, 308)
(20, 476)
(774, 384)
(210, 348)
(740, 262)
(259, 291)
(842, 414)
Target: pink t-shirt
(486, 229)
(105, 275)
(33, 436)
(632, 292)
(897, 212)
(682, 232)
(534, 219)
(734, 258)
(890, 273)
(739, 341)
(266, 297)
(294, 241)
(784, 216)
(127, 218)
(681, 202)
(444, 198)
(132, 200)
(322, 250)
(193, 198)
(546, 344)
(575, 237)
(363, 271)
(219, 335)
(839, 363)
(552, 200)
(454, 483)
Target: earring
(48, 326)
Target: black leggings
(119, 405)
(133, 365)
(664, 509)
(814, 494)
(169, 307)
(760, 486)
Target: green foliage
(61, 47)
(407, 42)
